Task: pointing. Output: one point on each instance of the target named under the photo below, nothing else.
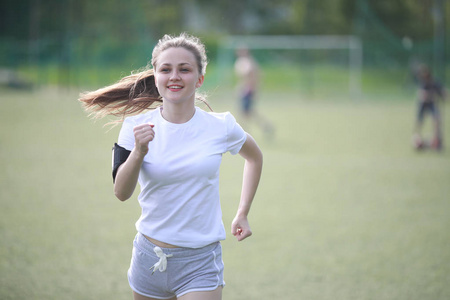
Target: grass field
(346, 208)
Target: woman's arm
(128, 173)
(252, 174)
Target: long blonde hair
(137, 92)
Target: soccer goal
(314, 50)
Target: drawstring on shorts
(161, 265)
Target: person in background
(429, 92)
(173, 149)
(247, 70)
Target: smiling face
(177, 75)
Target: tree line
(31, 19)
(124, 31)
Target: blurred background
(347, 208)
(89, 43)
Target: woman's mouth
(174, 88)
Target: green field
(346, 208)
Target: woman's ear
(200, 81)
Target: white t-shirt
(179, 177)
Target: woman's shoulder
(217, 116)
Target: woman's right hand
(128, 173)
(143, 134)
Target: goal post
(229, 44)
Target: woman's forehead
(176, 56)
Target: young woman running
(173, 149)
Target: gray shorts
(188, 270)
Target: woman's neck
(177, 114)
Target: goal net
(314, 66)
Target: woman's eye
(184, 70)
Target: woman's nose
(175, 75)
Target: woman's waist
(159, 243)
(148, 244)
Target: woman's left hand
(240, 228)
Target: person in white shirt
(248, 84)
(174, 150)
